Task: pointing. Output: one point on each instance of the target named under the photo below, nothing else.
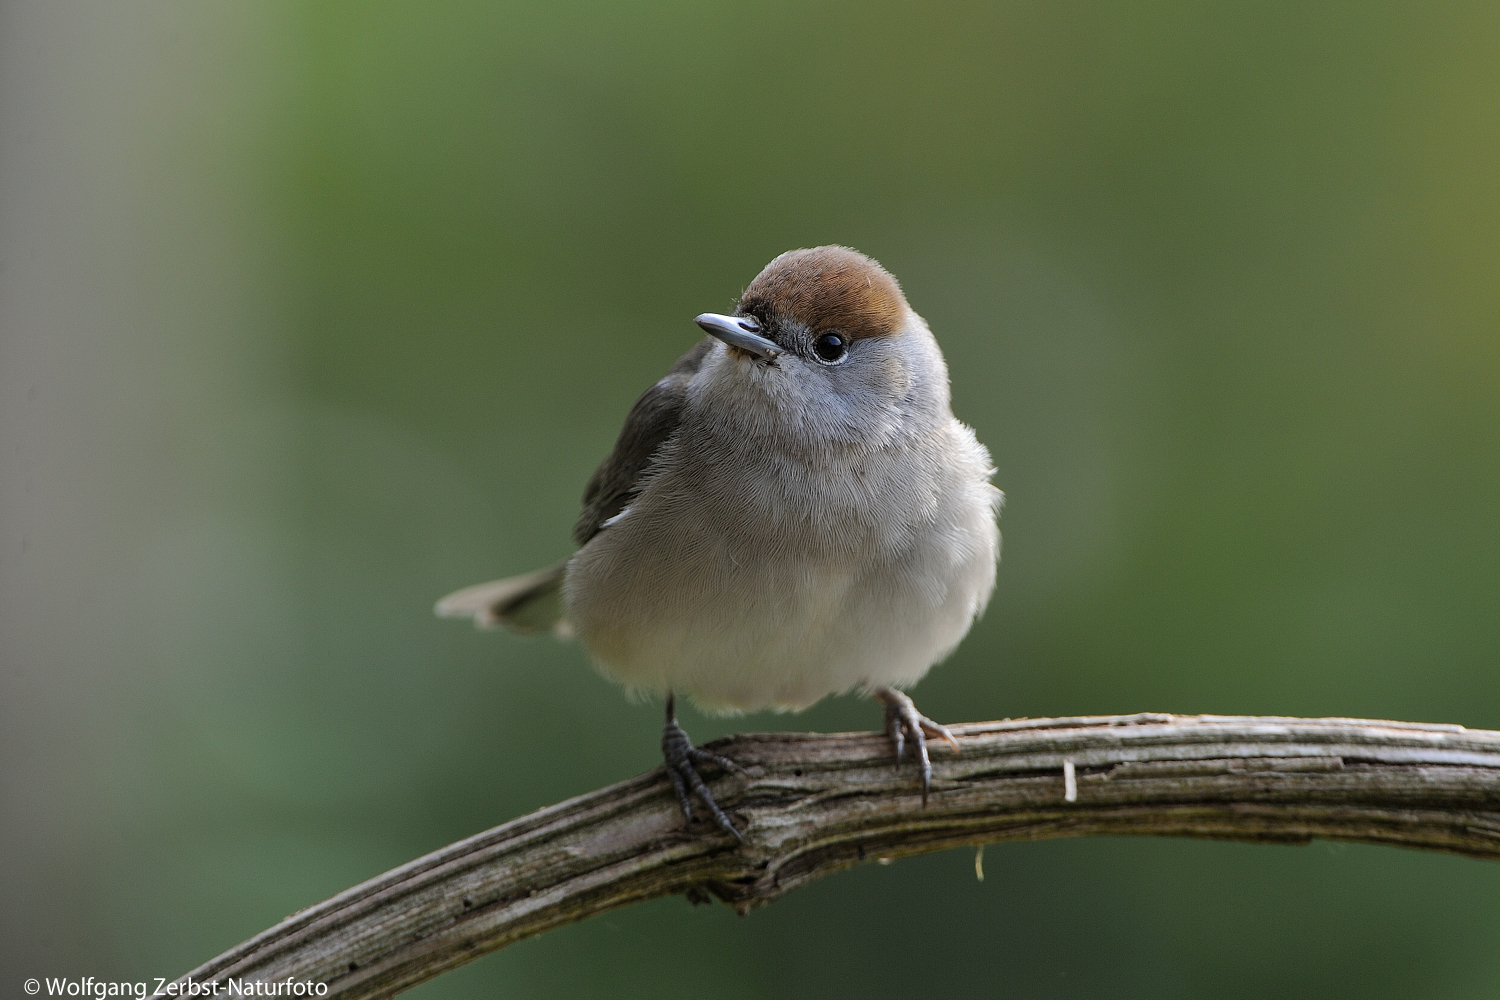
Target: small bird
(792, 512)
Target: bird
(791, 512)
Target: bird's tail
(527, 604)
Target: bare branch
(814, 804)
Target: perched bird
(792, 512)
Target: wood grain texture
(814, 804)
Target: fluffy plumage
(767, 533)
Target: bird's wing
(651, 421)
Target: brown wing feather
(651, 421)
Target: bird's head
(823, 342)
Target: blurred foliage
(315, 312)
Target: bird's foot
(903, 722)
(683, 760)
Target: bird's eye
(831, 348)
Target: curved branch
(814, 804)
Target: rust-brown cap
(827, 288)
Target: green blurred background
(311, 312)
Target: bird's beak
(740, 331)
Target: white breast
(750, 580)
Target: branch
(815, 804)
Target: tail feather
(530, 603)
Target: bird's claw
(903, 722)
(683, 760)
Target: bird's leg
(903, 722)
(681, 756)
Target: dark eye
(831, 348)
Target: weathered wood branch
(814, 804)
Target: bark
(813, 804)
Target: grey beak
(740, 331)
